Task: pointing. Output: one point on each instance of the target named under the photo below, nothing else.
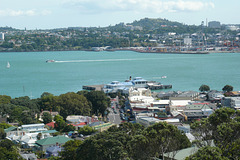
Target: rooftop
(53, 140)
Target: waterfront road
(114, 117)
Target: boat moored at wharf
(123, 87)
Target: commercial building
(214, 24)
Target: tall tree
(70, 148)
(100, 102)
(204, 88)
(47, 117)
(4, 99)
(223, 127)
(73, 104)
(227, 88)
(207, 153)
(161, 136)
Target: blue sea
(30, 75)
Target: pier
(93, 87)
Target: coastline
(132, 49)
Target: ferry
(50, 61)
(137, 82)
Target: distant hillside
(151, 23)
(3, 29)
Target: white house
(33, 127)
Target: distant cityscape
(145, 35)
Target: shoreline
(136, 50)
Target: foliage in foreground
(221, 129)
(129, 141)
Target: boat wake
(104, 60)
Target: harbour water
(30, 75)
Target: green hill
(155, 23)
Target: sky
(50, 14)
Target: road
(114, 117)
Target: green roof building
(51, 141)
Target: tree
(70, 148)
(104, 146)
(68, 128)
(9, 151)
(47, 117)
(60, 124)
(165, 138)
(227, 88)
(204, 88)
(86, 130)
(139, 148)
(73, 104)
(130, 128)
(6, 154)
(100, 102)
(222, 127)
(2, 133)
(4, 99)
(207, 153)
(48, 102)
(4, 125)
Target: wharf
(93, 87)
(159, 86)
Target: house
(53, 114)
(197, 111)
(181, 154)
(233, 102)
(103, 127)
(141, 99)
(79, 121)
(30, 156)
(233, 94)
(178, 105)
(147, 121)
(186, 95)
(43, 144)
(53, 151)
(51, 124)
(33, 127)
(10, 130)
(215, 96)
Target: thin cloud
(15, 13)
(152, 6)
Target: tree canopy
(227, 88)
(100, 102)
(204, 88)
(47, 117)
(133, 141)
(221, 128)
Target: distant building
(187, 41)
(214, 24)
(233, 102)
(1, 36)
(147, 121)
(232, 27)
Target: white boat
(8, 65)
(137, 82)
(49, 61)
(164, 76)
